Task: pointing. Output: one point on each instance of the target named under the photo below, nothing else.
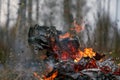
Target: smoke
(51, 13)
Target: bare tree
(117, 41)
(116, 31)
(7, 23)
(80, 4)
(103, 26)
(21, 22)
(22, 15)
(37, 11)
(67, 13)
(79, 17)
(30, 12)
(108, 7)
(0, 10)
(8, 14)
(117, 2)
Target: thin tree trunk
(67, 14)
(8, 14)
(79, 18)
(21, 20)
(78, 15)
(7, 22)
(22, 12)
(117, 36)
(37, 11)
(108, 8)
(20, 43)
(99, 27)
(0, 10)
(116, 10)
(30, 12)
(103, 25)
(117, 41)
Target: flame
(77, 27)
(79, 56)
(66, 35)
(52, 77)
(88, 52)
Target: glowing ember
(55, 48)
(64, 55)
(105, 69)
(78, 67)
(52, 77)
(117, 72)
(91, 64)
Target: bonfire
(65, 59)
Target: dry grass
(9, 74)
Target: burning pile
(65, 60)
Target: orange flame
(52, 77)
(77, 27)
(88, 52)
(79, 56)
(66, 35)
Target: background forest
(100, 18)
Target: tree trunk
(67, 14)
(79, 16)
(21, 22)
(7, 22)
(116, 10)
(108, 8)
(8, 14)
(30, 12)
(117, 41)
(22, 12)
(37, 11)
(0, 11)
